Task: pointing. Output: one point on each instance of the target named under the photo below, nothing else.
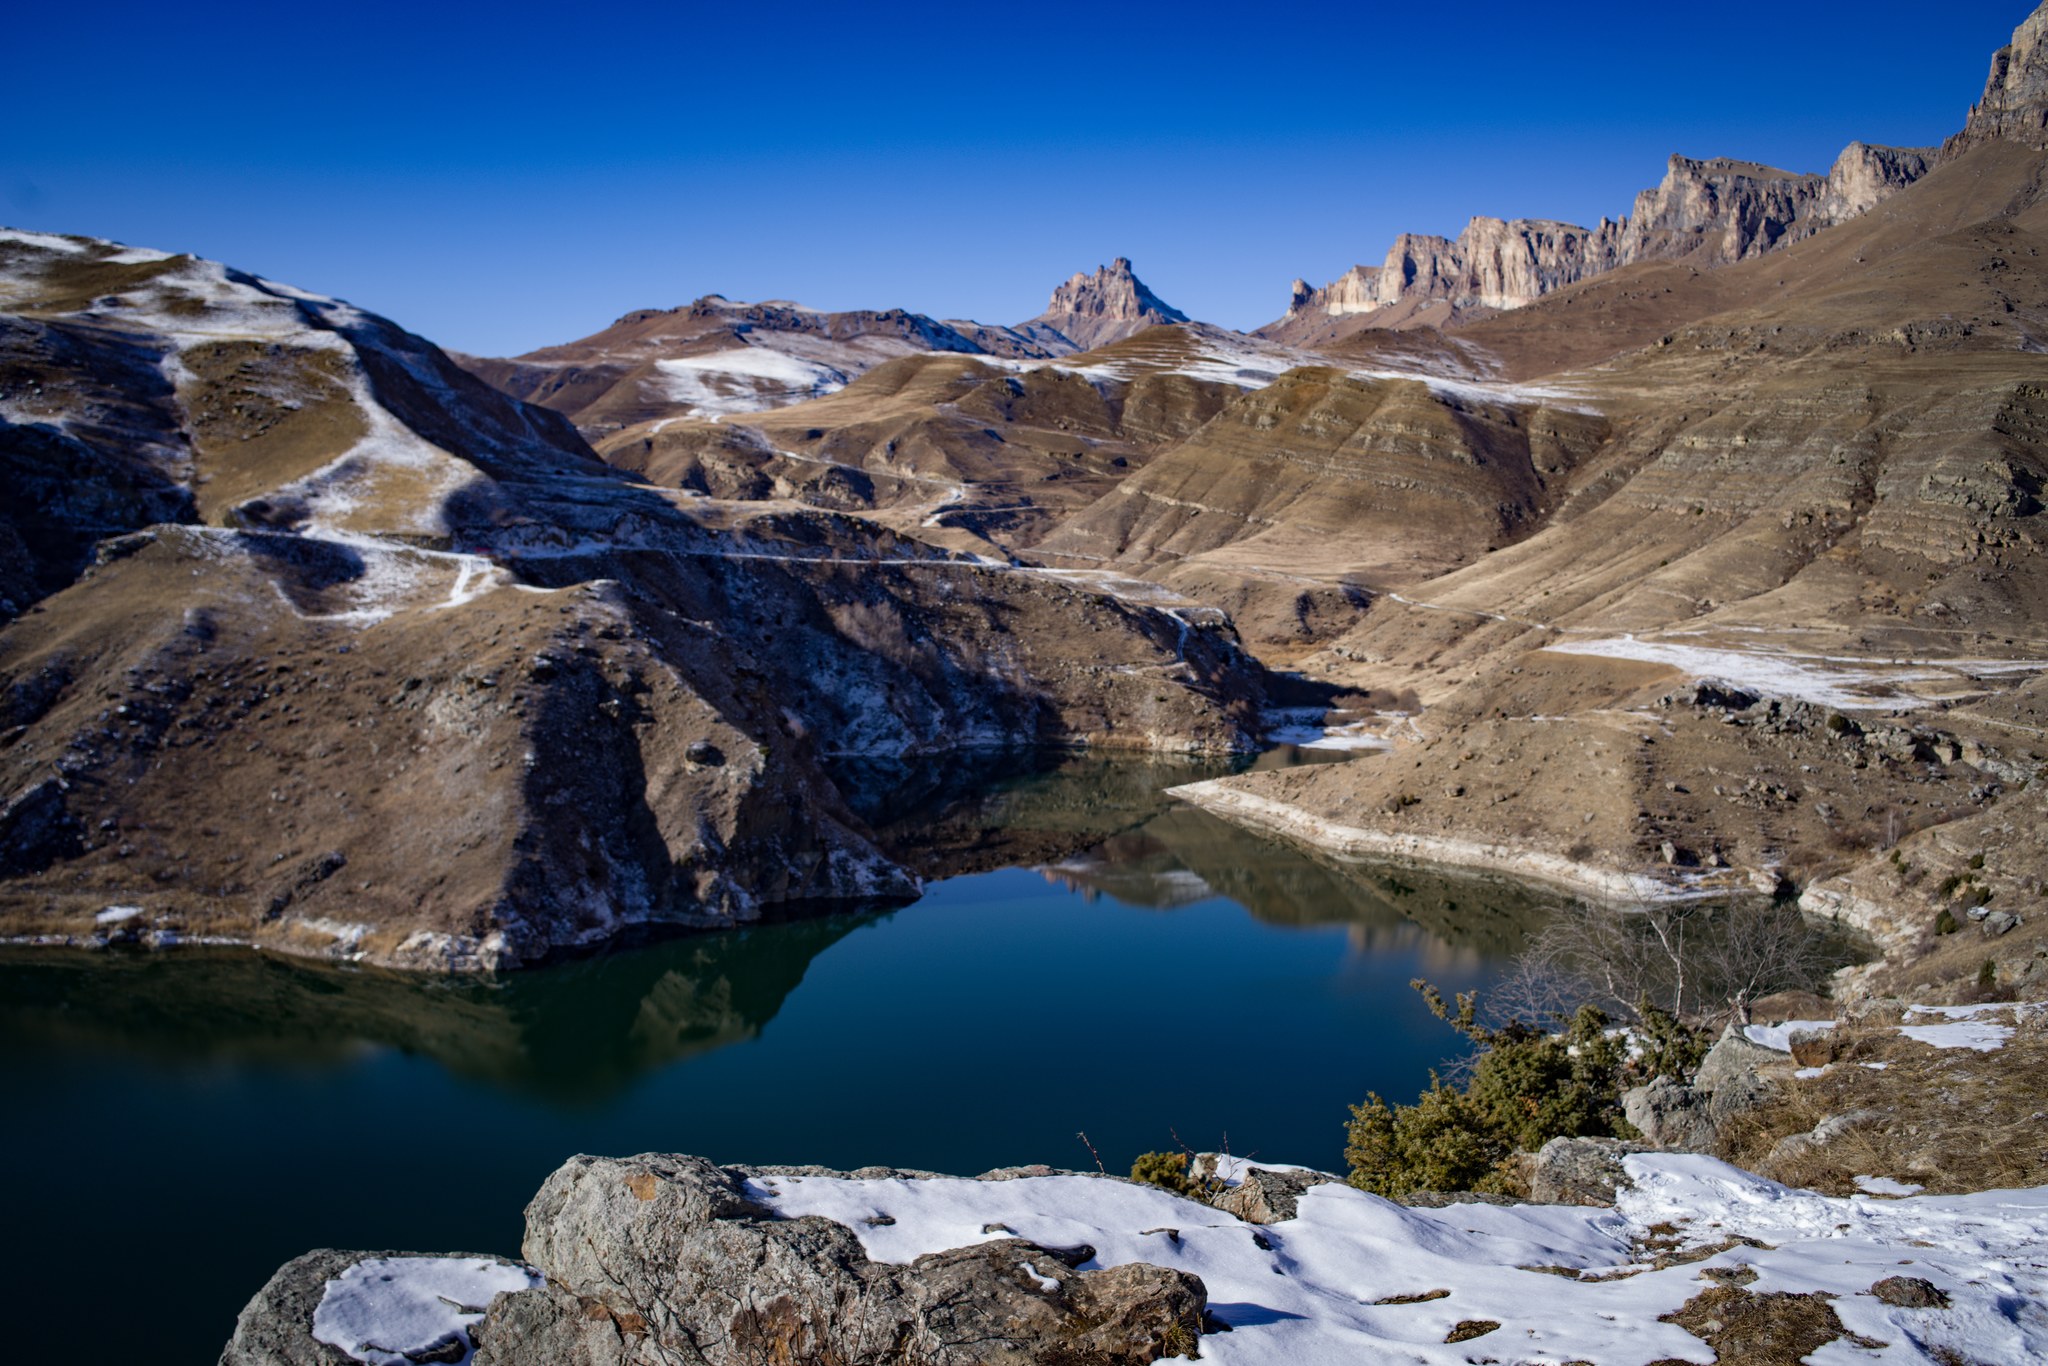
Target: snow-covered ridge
(1318, 1288)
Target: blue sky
(501, 177)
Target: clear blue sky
(500, 177)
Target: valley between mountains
(1695, 557)
(1703, 557)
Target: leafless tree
(1692, 959)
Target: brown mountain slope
(716, 356)
(980, 455)
(1821, 485)
(1380, 480)
(390, 667)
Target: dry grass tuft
(1467, 1329)
(1952, 1120)
(1761, 1330)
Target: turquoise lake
(1103, 961)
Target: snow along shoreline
(1518, 862)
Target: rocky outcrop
(1718, 212)
(2014, 107)
(280, 1327)
(1670, 1114)
(666, 1259)
(1691, 1115)
(1493, 263)
(1257, 1195)
(1713, 212)
(1580, 1171)
(1093, 310)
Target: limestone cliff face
(1492, 264)
(1357, 290)
(1865, 176)
(2015, 103)
(1714, 212)
(1107, 306)
(1723, 211)
(1717, 211)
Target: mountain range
(1696, 551)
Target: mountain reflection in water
(232, 1109)
(585, 1028)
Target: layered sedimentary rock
(1387, 478)
(976, 455)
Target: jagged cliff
(1094, 310)
(2015, 103)
(1714, 212)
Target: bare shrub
(1689, 959)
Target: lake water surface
(1102, 960)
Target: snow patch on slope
(42, 241)
(746, 380)
(1845, 683)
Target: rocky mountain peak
(1093, 310)
(2015, 103)
(1713, 211)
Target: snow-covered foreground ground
(1314, 1288)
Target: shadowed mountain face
(392, 668)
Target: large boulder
(1732, 1075)
(1580, 1171)
(1670, 1114)
(668, 1259)
(1257, 1195)
(276, 1327)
